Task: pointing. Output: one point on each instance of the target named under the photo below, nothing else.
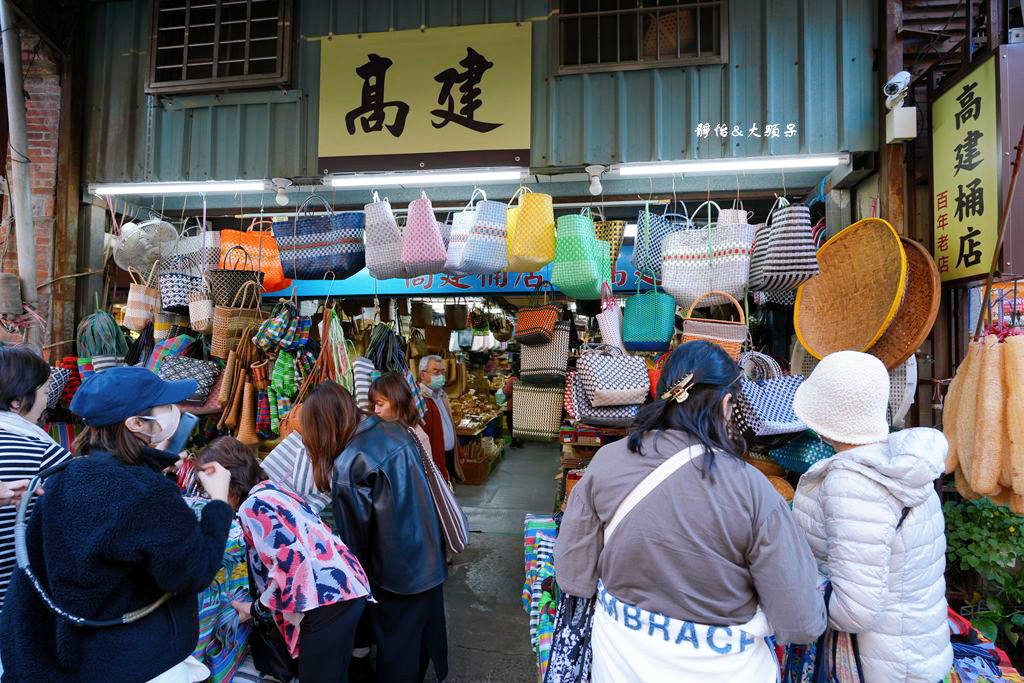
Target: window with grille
(607, 35)
(205, 45)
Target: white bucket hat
(846, 398)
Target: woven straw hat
(918, 311)
(853, 300)
(846, 399)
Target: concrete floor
(488, 630)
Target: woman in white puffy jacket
(873, 519)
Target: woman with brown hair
(115, 536)
(385, 513)
(308, 583)
(392, 401)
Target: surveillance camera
(897, 83)
(595, 171)
(895, 89)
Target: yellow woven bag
(531, 231)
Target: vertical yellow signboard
(453, 96)
(965, 169)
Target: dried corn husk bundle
(984, 422)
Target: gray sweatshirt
(703, 549)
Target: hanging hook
(783, 183)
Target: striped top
(21, 457)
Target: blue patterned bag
(802, 452)
(651, 231)
(313, 245)
(487, 244)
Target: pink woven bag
(423, 251)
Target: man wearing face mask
(432, 379)
(112, 535)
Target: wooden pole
(1007, 205)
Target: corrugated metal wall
(807, 62)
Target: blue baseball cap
(116, 394)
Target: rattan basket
(854, 299)
(765, 465)
(918, 311)
(783, 487)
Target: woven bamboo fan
(854, 299)
(918, 311)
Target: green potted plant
(985, 554)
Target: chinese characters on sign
(441, 90)
(965, 172)
(722, 130)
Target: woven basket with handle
(729, 334)
(230, 321)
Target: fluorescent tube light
(750, 164)
(208, 187)
(425, 178)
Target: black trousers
(449, 462)
(410, 632)
(326, 635)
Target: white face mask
(168, 425)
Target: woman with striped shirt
(25, 449)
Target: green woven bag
(577, 270)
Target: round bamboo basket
(783, 487)
(854, 299)
(918, 311)
(766, 466)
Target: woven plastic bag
(609, 320)
(143, 302)
(383, 240)
(487, 247)
(546, 363)
(536, 411)
(649, 321)
(651, 231)
(261, 245)
(578, 270)
(312, 245)
(792, 253)
(423, 251)
(180, 272)
(531, 231)
(462, 223)
(611, 377)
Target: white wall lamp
(806, 162)
(426, 178)
(207, 187)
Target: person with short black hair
(111, 536)
(25, 449)
(309, 584)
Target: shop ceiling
(808, 63)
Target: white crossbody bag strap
(648, 484)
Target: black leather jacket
(384, 509)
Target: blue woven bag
(803, 451)
(649, 321)
(651, 231)
(313, 245)
(487, 246)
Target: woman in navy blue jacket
(112, 535)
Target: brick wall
(42, 120)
